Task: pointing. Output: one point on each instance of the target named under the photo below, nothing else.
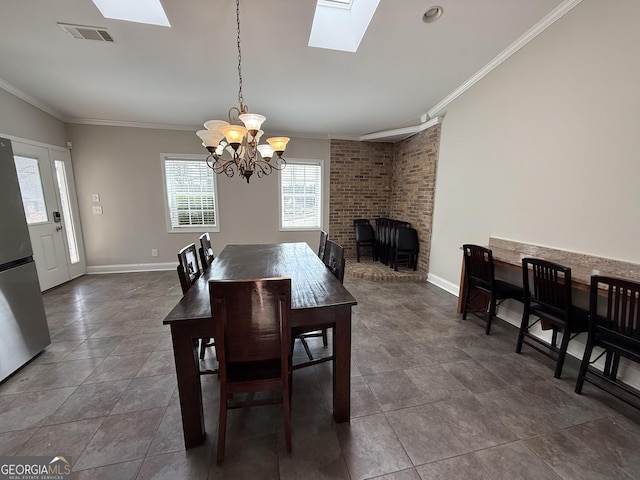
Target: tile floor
(432, 398)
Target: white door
(39, 186)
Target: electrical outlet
(95, 197)
(97, 210)
(154, 252)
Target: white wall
(20, 119)
(123, 165)
(546, 148)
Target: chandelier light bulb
(233, 133)
(279, 144)
(252, 121)
(266, 151)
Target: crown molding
(532, 33)
(400, 133)
(16, 92)
(118, 123)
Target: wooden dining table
(317, 299)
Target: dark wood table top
(312, 285)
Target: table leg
(342, 365)
(186, 357)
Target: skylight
(341, 24)
(139, 11)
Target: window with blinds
(301, 195)
(190, 189)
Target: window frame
(193, 228)
(298, 228)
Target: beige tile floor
(432, 398)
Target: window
(301, 195)
(190, 188)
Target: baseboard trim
(446, 285)
(130, 268)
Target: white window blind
(191, 194)
(301, 195)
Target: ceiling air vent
(84, 32)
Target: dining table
(318, 298)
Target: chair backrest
(615, 307)
(478, 265)
(251, 320)
(407, 239)
(206, 252)
(334, 259)
(550, 286)
(364, 232)
(188, 268)
(361, 221)
(324, 236)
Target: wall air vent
(84, 32)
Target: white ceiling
(181, 76)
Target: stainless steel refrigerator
(23, 323)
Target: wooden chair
(550, 300)
(324, 236)
(406, 246)
(188, 273)
(251, 322)
(480, 281)
(614, 327)
(335, 262)
(188, 268)
(206, 259)
(365, 238)
(206, 252)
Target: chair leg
(465, 299)
(286, 412)
(222, 427)
(583, 367)
(357, 252)
(305, 345)
(492, 312)
(203, 343)
(524, 327)
(325, 341)
(566, 336)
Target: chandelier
(233, 147)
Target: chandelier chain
(240, 97)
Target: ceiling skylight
(139, 11)
(341, 24)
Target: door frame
(62, 154)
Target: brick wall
(413, 186)
(360, 187)
(370, 180)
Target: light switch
(97, 210)
(95, 197)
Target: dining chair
(480, 282)
(206, 252)
(188, 273)
(188, 268)
(324, 236)
(365, 238)
(547, 296)
(614, 330)
(251, 323)
(335, 263)
(406, 246)
(206, 259)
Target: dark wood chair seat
(548, 297)
(480, 281)
(614, 329)
(251, 324)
